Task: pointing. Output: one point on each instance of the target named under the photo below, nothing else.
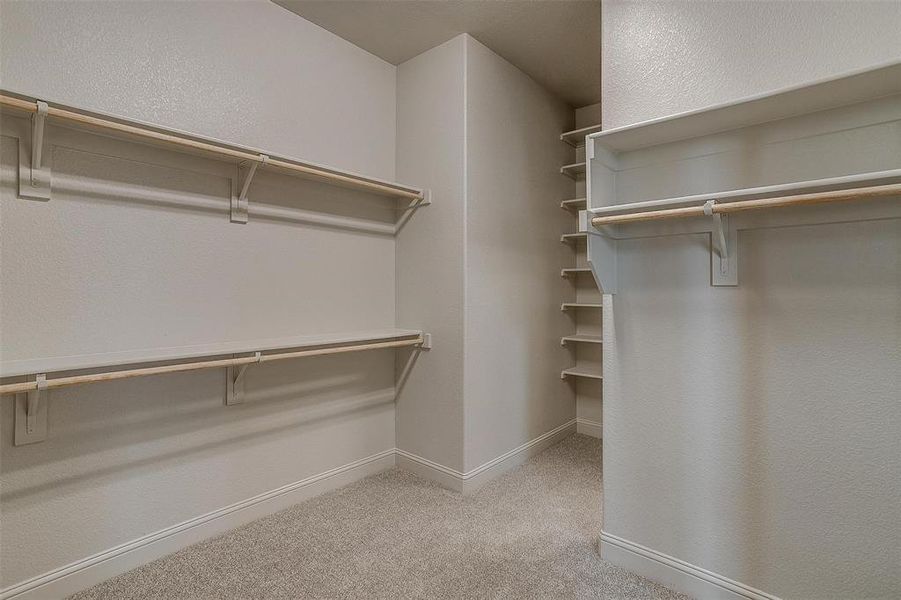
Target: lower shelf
(570, 305)
(579, 372)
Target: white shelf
(574, 204)
(575, 305)
(581, 339)
(576, 137)
(568, 238)
(129, 357)
(575, 271)
(157, 135)
(579, 372)
(842, 90)
(574, 170)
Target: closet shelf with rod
(254, 159)
(233, 356)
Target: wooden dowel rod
(13, 388)
(159, 136)
(866, 193)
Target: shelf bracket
(31, 414)
(34, 177)
(724, 262)
(239, 203)
(234, 381)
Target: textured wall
(431, 131)
(752, 431)
(248, 72)
(136, 251)
(513, 256)
(661, 58)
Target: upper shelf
(115, 359)
(576, 137)
(574, 170)
(843, 90)
(195, 144)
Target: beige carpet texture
(531, 533)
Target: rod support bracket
(34, 173)
(426, 341)
(31, 413)
(240, 203)
(234, 381)
(724, 264)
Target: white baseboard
(674, 573)
(472, 480)
(89, 571)
(592, 428)
(84, 573)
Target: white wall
(253, 73)
(481, 270)
(753, 431)
(513, 390)
(135, 250)
(661, 58)
(431, 129)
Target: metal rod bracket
(240, 204)
(31, 414)
(234, 381)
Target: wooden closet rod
(206, 146)
(864, 193)
(13, 388)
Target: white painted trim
(675, 573)
(99, 567)
(89, 571)
(589, 427)
(471, 480)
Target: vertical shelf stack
(583, 303)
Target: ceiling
(556, 42)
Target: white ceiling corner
(556, 42)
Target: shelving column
(583, 304)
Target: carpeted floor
(529, 534)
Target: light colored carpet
(529, 534)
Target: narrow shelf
(578, 372)
(581, 339)
(568, 238)
(574, 170)
(576, 137)
(130, 357)
(148, 133)
(574, 204)
(571, 305)
(575, 271)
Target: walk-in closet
(450, 299)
